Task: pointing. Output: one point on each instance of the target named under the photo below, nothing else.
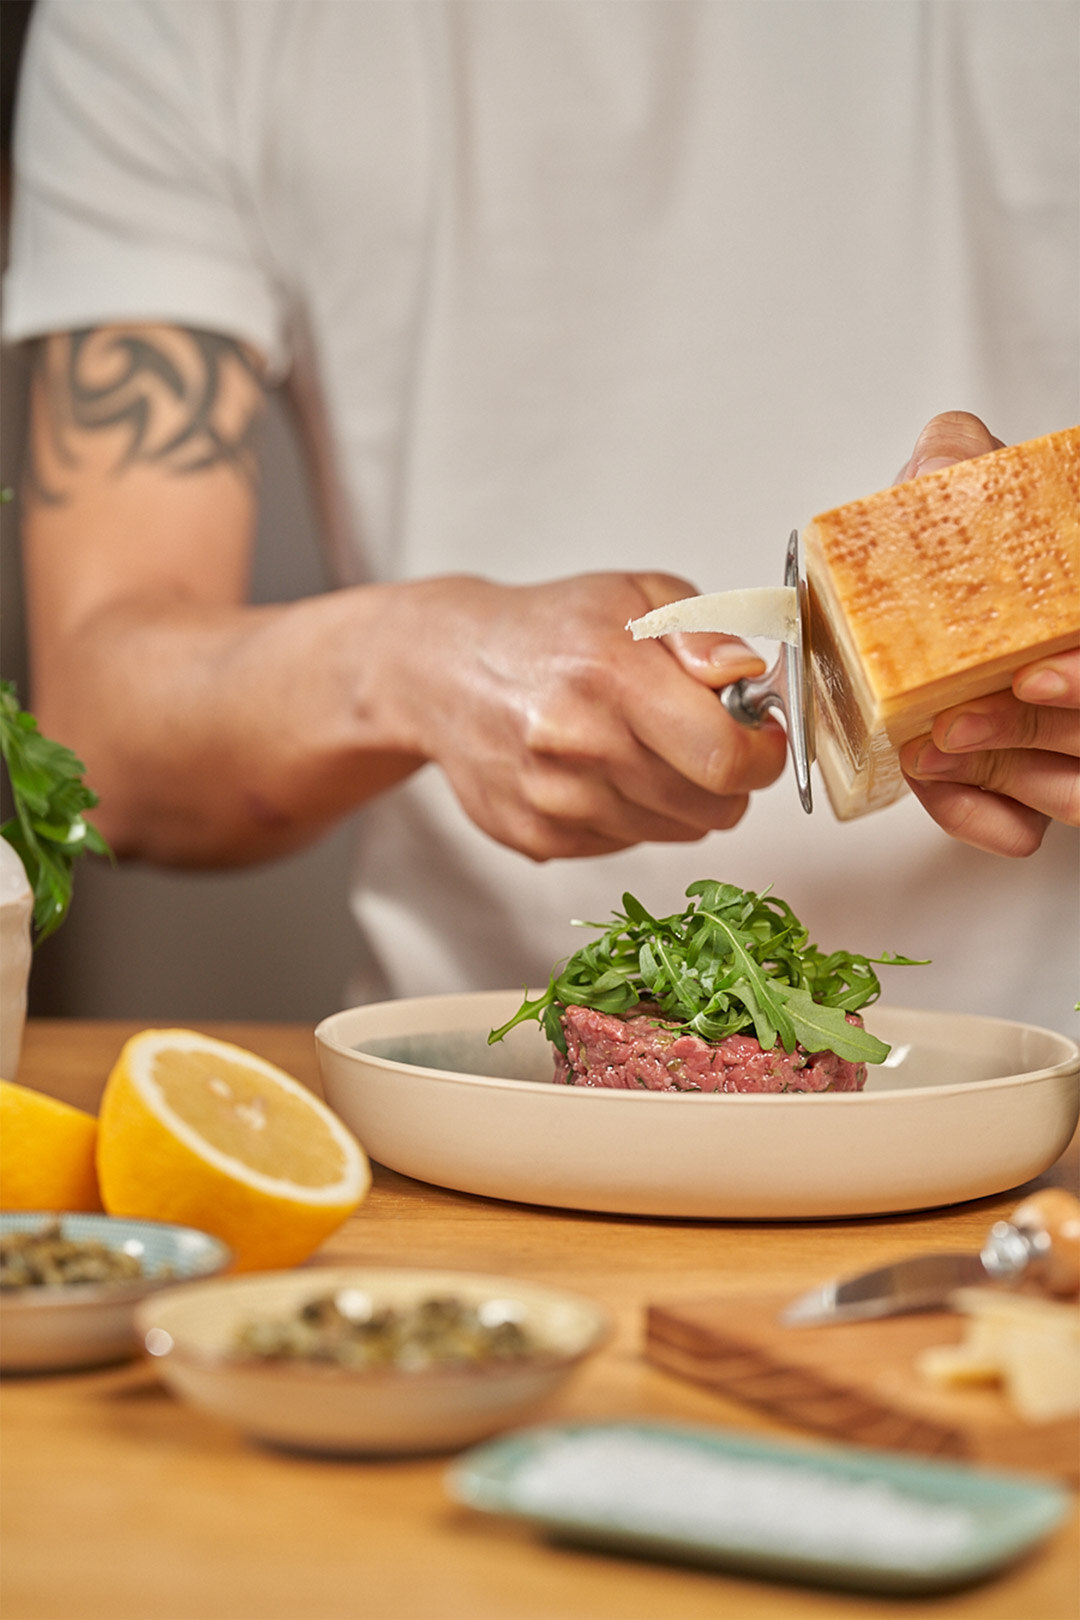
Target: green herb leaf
(826, 1029)
(733, 961)
(48, 830)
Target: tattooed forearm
(185, 400)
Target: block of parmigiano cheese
(931, 593)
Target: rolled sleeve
(129, 200)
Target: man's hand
(996, 771)
(560, 734)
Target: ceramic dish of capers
(69, 1284)
(357, 1361)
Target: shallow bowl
(322, 1407)
(964, 1107)
(48, 1329)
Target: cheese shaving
(767, 611)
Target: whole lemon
(47, 1152)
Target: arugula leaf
(48, 830)
(733, 961)
(820, 1029)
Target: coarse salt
(665, 1487)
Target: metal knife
(1040, 1241)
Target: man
(583, 306)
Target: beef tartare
(645, 1053)
(728, 995)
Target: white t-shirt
(566, 285)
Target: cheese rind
(931, 593)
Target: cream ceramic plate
(964, 1107)
(344, 1411)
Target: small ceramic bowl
(324, 1407)
(47, 1329)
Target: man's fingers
(952, 436)
(635, 800)
(686, 726)
(559, 811)
(987, 821)
(1003, 721)
(1051, 681)
(713, 659)
(710, 657)
(1046, 783)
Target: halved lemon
(46, 1152)
(203, 1133)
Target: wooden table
(119, 1503)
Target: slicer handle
(786, 687)
(749, 700)
(1051, 1221)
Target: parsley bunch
(732, 962)
(48, 830)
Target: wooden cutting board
(853, 1381)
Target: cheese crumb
(1030, 1347)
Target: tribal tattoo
(185, 400)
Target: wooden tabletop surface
(120, 1503)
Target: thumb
(952, 436)
(709, 656)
